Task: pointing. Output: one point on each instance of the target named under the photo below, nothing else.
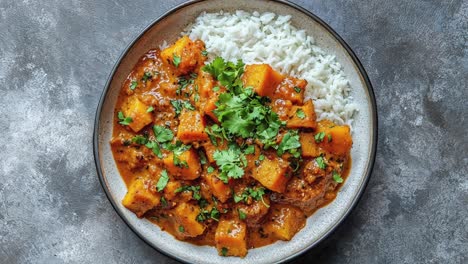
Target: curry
(222, 153)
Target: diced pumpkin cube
(191, 127)
(140, 198)
(218, 188)
(185, 220)
(272, 174)
(302, 116)
(285, 221)
(230, 238)
(262, 78)
(135, 109)
(186, 165)
(309, 148)
(291, 89)
(209, 107)
(337, 139)
(210, 148)
(184, 54)
(205, 84)
(170, 190)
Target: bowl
(168, 27)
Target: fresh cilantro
(321, 162)
(189, 188)
(124, 120)
(177, 106)
(319, 137)
(180, 163)
(261, 157)
(231, 163)
(242, 214)
(210, 169)
(150, 109)
(182, 84)
(141, 140)
(249, 150)
(214, 214)
(337, 177)
(162, 134)
(181, 229)
(133, 85)
(215, 132)
(227, 73)
(162, 182)
(188, 105)
(176, 60)
(205, 214)
(178, 148)
(256, 194)
(297, 89)
(147, 76)
(216, 88)
(290, 143)
(204, 53)
(163, 201)
(196, 97)
(154, 146)
(300, 113)
(224, 251)
(329, 136)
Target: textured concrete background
(55, 57)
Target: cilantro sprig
(124, 120)
(231, 163)
(256, 194)
(290, 143)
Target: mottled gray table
(55, 57)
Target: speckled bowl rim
(353, 57)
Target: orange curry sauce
(170, 163)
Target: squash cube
(140, 198)
(262, 78)
(291, 89)
(191, 127)
(184, 54)
(286, 221)
(209, 107)
(135, 109)
(302, 116)
(309, 148)
(272, 174)
(337, 139)
(218, 188)
(185, 220)
(230, 238)
(185, 166)
(205, 84)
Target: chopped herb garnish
(176, 60)
(337, 177)
(163, 201)
(180, 163)
(141, 140)
(319, 137)
(242, 214)
(202, 156)
(150, 109)
(177, 106)
(224, 251)
(227, 73)
(214, 214)
(300, 113)
(231, 163)
(329, 136)
(216, 88)
(249, 150)
(261, 157)
(256, 194)
(181, 229)
(297, 89)
(153, 145)
(321, 162)
(188, 105)
(162, 134)
(133, 85)
(210, 169)
(189, 188)
(146, 76)
(162, 182)
(124, 120)
(204, 53)
(290, 143)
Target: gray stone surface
(55, 57)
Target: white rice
(269, 38)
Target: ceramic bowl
(168, 27)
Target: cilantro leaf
(224, 251)
(297, 89)
(319, 137)
(138, 139)
(230, 163)
(300, 113)
(124, 120)
(177, 106)
(133, 85)
(204, 53)
(242, 214)
(189, 188)
(162, 134)
(290, 143)
(154, 146)
(227, 73)
(150, 109)
(146, 76)
(176, 60)
(321, 162)
(337, 177)
(162, 182)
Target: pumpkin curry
(222, 153)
